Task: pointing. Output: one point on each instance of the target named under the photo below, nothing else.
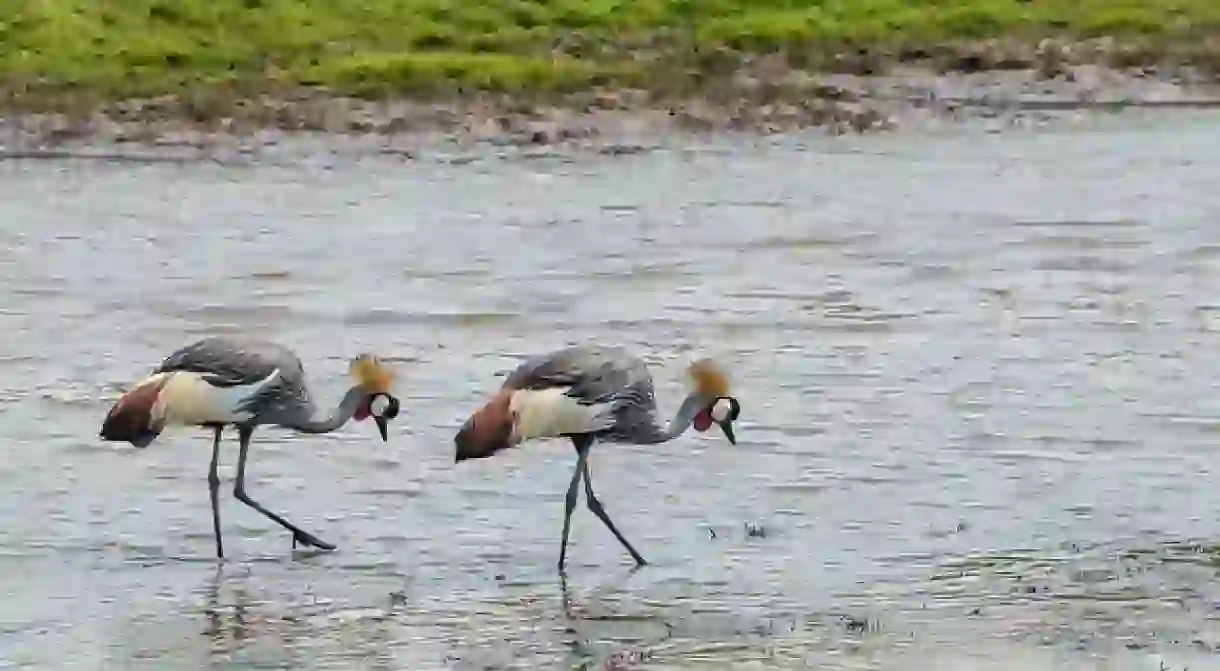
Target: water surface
(977, 371)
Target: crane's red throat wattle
(703, 420)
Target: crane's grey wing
(230, 362)
(592, 374)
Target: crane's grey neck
(338, 417)
(691, 405)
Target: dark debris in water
(750, 530)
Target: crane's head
(374, 380)
(712, 390)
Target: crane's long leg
(569, 503)
(582, 446)
(239, 490)
(214, 489)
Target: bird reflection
(592, 635)
(241, 617)
(226, 627)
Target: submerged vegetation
(379, 48)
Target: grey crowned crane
(591, 393)
(243, 382)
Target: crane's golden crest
(371, 374)
(709, 379)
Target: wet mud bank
(763, 95)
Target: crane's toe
(309, 540)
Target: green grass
(125, 48)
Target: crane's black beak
(727, 428)
(382, 428)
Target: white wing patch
(188, 400)
(550, 413)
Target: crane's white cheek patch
(379, 405)
(720, 411)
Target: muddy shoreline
(765, 95)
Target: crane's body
(589, 393)
(242, 382)
(198, 402)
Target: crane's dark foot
(310, 540)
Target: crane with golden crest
(589, 393)
(244, 382)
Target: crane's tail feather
(131, 418)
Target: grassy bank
(131, 48)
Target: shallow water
(977, 373)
